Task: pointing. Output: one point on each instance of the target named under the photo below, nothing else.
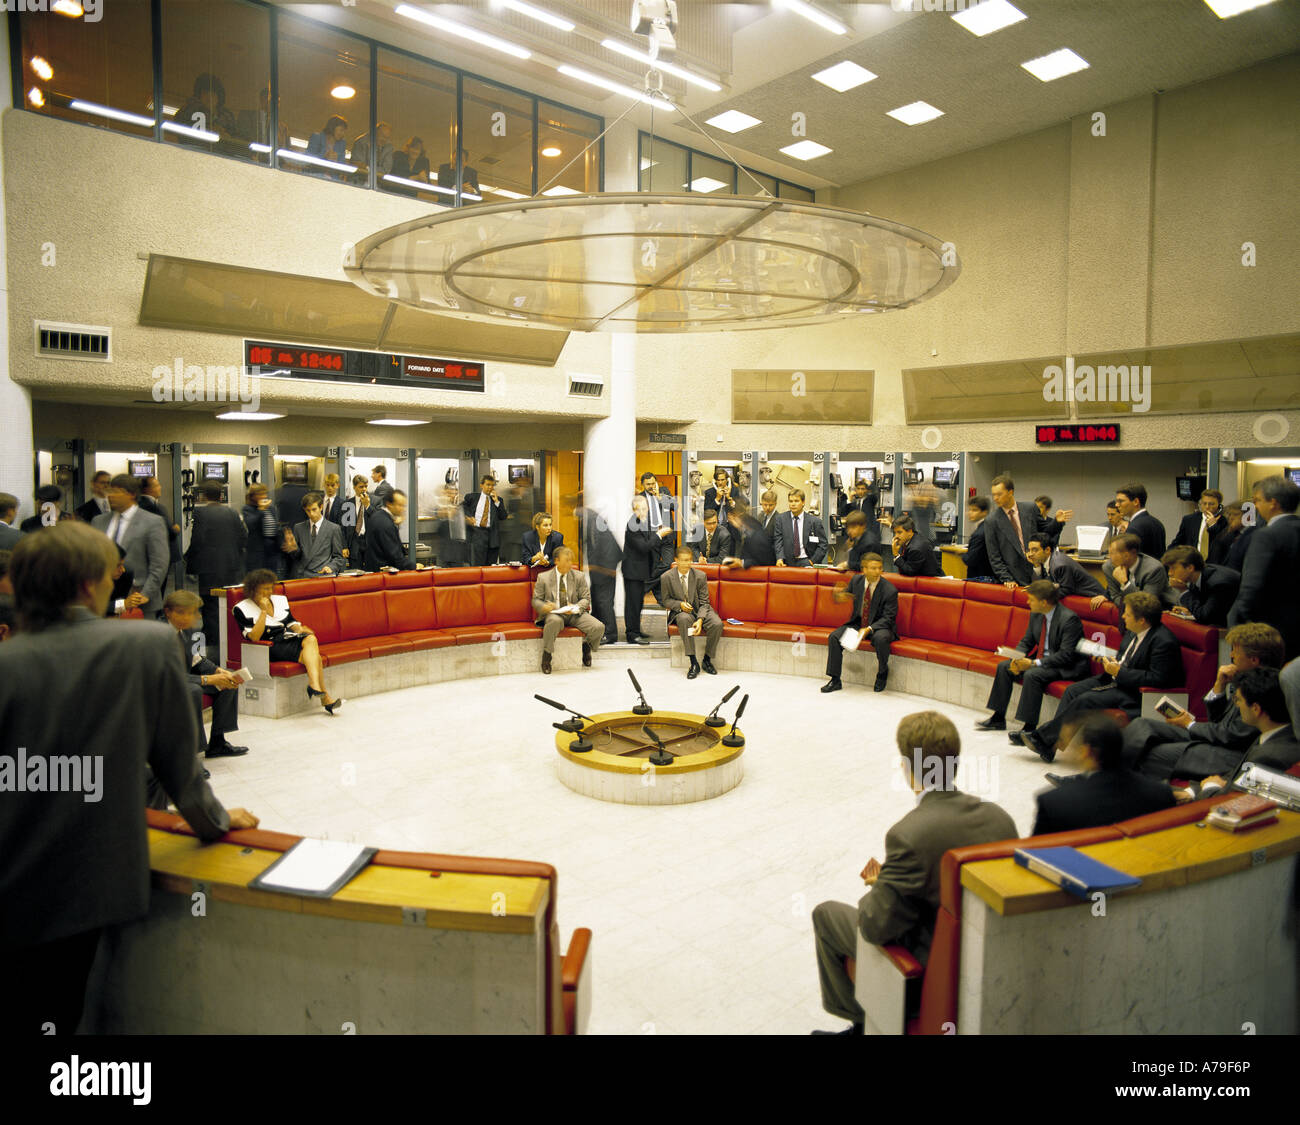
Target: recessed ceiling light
(1226, 9)
(706, 184)
(108, 111)
(733, 121)
(806, 150)
(988, 17)
(507, 193)
(343, 91)
(68, 8)
(538, 14)
(43, 69)
(820, 18)
(247, 416)
(843, 76)
(560, 189)
(35, 96)
(1047, 68)
(915, 113)
(398, 420)
(550, 150)
(464, 31)
(613, 87)
(659, 64)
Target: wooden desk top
(1174, 857)
(451, 900)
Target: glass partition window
(700, 478)
(497, 155)
(216, 77)
(664, 166)
(416, 128)
(712, 176)
(793, 191)
(517, 484)
(570, 132)
(98, 73)
(930, 495)
(440, 521)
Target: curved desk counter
(415, 943)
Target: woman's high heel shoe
(312, 692)
(331, 707)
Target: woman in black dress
(265, 616)
(263, 549)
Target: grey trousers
(593, 632)
(712, 631)
(835, 932)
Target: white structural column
(17, 455)
(609, 446)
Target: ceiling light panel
(915, 113)
(988, 17)
(1058, 64)
(843, 76)
(806, 150)
(733, 121)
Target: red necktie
(1015, 519)
(866, 607)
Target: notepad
(318, 868)
(851, 639)
(1075, 872)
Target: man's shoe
(1056, 778)
(1034, 741)
(206, 775)
(1016, 738)
(852, 1029)
(546, 663)
(693, 670)
(993, 722)
(225, 750)
(611, 640)
(708, 667)
(641, 640)
(586, 655)
(833, 684)
(880, 683)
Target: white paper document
(313, 866)
(851, 640)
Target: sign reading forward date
(452, 374)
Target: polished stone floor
(700, 912)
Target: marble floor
(700, 912)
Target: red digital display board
(297, 358)
(454, 374)
(1105, 433)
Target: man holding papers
(684, 593)
(875, 608)
(562, 598)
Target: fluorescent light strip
(988, 17)
(247, 416)
(1226, 9)
(613, 87)
(108, 111)
(537, 14)
(820, 18)
(260, 148)
(389, 178)
(464, 31)
(307, 158)
(186, 130)
(659, 64)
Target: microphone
(574, 724)
(660, 755)
(579, 745)
(642, 708)
(713, 720)
(731, 738)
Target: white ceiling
(764, 57)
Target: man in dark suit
(800, 539)
(1200, 529)
(1106, 792)
(1007, 531)
(77, 854)
(978, 567)
(332, 504)
(640, 553)
(1262, 706)
(181, 609)
(722, 497)
(749, 541)
(355, 521)
(316, 546)
(380, 489)
(875, 611)
(384, 546)
(1129, 570)
(151, 501)
(215, 554)
(865, 499)
(903, 898)
(716, 544)
(1047, 653)
(1253, 645)
(1047, 561)
(913, 553)
(766, 514)
(1131, 499)
(1230, 548)
(1148, 656)
(1268, 580)
(856, 544)
(1115, 526)
(660, 507)
(1206, 592)
(97, 504)
(49, 509)
(684, 593)
(1052, 526)
(484, 513)
(9, 535)
(144, 536)
(288, 502)
(603, 555)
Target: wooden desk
(954, 559)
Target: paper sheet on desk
(315, 866)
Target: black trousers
(880, 640)
(1143, 735)
(633, 598)
(225, 715)
(1033, 682)
(211, 620)
(602, 604)
(1193, 761)
(663, 553)
(1080, 698)
(481, 554)
(46, 984)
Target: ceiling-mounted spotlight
(657, 20)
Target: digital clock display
(349, 366)
(297, 358)
(1106, 433)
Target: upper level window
(667, 167)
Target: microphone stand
(573, 725)
(660, 755)
(731, 738)
(579, 745)
(714, 720)
(642, 708)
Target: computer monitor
(142, 468)
(865, 473)
(295, 472)
(886, 482)
(218, 471)
(945, 476)
(1190, 488)
(1293, 475)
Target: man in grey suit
(559, 587)
(215, 554)
(800, 539)
(1007, 531)
(684, 593)
(86, 704)
(1128, 569)
(317, 545)
(9, 535)
(903, 896)
(144, 538)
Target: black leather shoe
(546, 663)
(1034, 741)
(708, 667)
(1016, 738)
(586, 655)
(693, 670)
(206, 775)
(852, 1029)
(881, 682)
(832, 685)
(1055, 778)
(992, 723)
(225, 750)
(641, 641)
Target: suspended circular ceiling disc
(645, 262)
